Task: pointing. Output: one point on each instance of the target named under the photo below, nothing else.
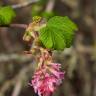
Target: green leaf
(52, 39)
(6, 15)
(58, 33)
(67, 26)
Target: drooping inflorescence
(56, 34)
(47, 76)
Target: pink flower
(47, 78)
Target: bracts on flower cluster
(47, 77)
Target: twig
(15, 25)
(24, 4)
(19, 25)
(17, 88)
(9, 57)
(50, 5)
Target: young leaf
(58, 33)
(52, 38)
(6, 15)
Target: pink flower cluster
(47, 78)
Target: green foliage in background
(38, 9)
(47, 15)
(58, 33)
(40, 2)
(6, 15)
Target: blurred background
(79, 61)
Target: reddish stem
(24, 26)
